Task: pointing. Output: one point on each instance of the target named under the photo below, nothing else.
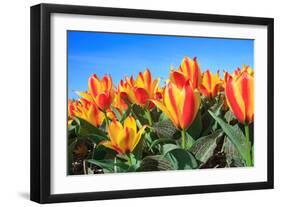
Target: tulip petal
(137, 138)
(190, 106)
(86, 96)
(141, 96)
(234, 100)
(204, 90)
(94, 85)
(109, 145)
(178, 78)
(164, 109)
(172, 97)
(114, 129)
(130, 123)
(247, 90)
(104, 100)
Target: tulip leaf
(116, 112)
(127, 112)
(139, 112)
(162, 140)
(204, 147)
(181, 159)
(233, 157)
(155, 163)
(196, 127)
(189, 142)
(165, 129)
(235, 135)
(109, 165)
(88, 130)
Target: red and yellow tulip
(145, 88)
(86, 110)
(210, 85)
(123, 138)
(189, 70)
(122, 94)
(100, 91)
(180, 103)
(239, 91)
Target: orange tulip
(123, 138)
(85, 110)
(100, 91)
(124, 87)
(145, 88)
(190, 70)
(180, 103)
(239, 93)
(210, 84)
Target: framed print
(132, 103)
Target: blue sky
(123, 55)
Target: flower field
(196, 120)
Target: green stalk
(106, 120)
(115, 167)
(183, 138)
(247, 134)
(129, 159)
(148, 116)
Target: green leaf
(163, 117)
(117, 113)
(190, 141)
(235, 135)
(94, 133)
(196, 127)
(139, 112)
(204, 147)
(165, 129)
(101, 152)
(155, 163)
(233, 157)
(127, 113)
(162, 140)
(181, 159)
(207, 120)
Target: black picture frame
(40, 102)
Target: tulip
(85, 110)
(100, 91)
(239, 91)
(123, 138)
(210, 84)
(181, 104)
(122, 97)
(189, 70)
(143, 89)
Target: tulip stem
(183, 138)
(129, 159)
(106, 120)
(148, 116)
(247, 134)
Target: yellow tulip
(188, 70)
(123, 138)
(100, 91)
(210, 85)
(85, 110)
